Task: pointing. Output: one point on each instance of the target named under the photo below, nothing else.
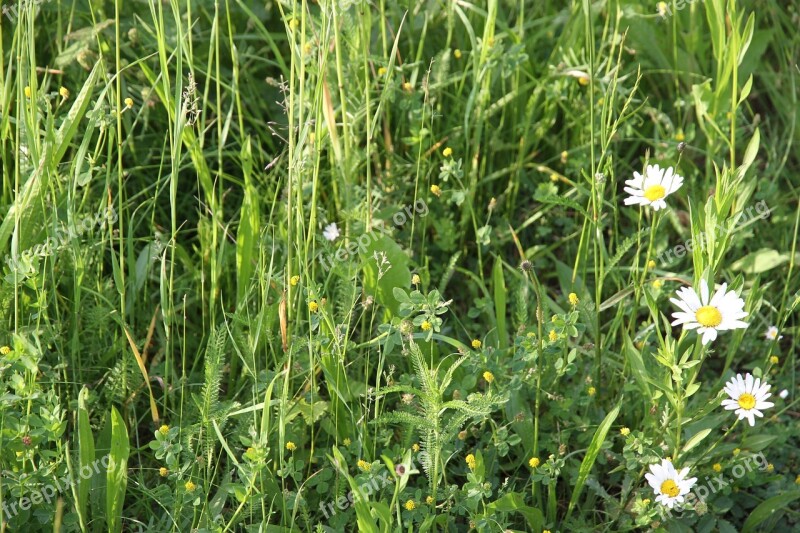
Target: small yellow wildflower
(553, 335)
(534, 462)
(382, 71)
(189, 486)
(717, 467)
(294, 24)
(415, 279)
(554, 177)
(426, 326)
(646, 501)
(163, 471)
(313, 306)
(294, 280)
(488, 376)
(657, 284)
(476, 343)
(429, 500)
(347, 441)
(573, 298)
(163, 429)
(545, 531)
(736, 452)
(27, 91)
(774, 360)
(307, 48)
(584, 80)
(407, 87)
(64, 92)
(447, 152)
(679, 136)
(797, 480)
(129, 102)
(436, 190)
(651, 264)
(625, 431)
(363, 465)
(662, 8)
(564, 156)
(291, 446)
(415, 447)
(5, 350)
(410, 505)
(471, 461)
(770, 467)
(457, 53)
(591, 391)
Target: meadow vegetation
(433, 265)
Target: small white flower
(783, 394)
(772, 334)
(653, 187)
(721, 312)
(747, 396)
(669, 485)
(331, 232)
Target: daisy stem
(699, 365)
(679, 401)
(713, 446)
(653, 228)
(539, 319)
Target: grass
(487, 342)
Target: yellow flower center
(747, 401)
(670, 488)
(655, 192)
(709, 316)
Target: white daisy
(331, 232)
(653, 187)
(747, 396)
(669, 485)
(722, 311)
(772, 334)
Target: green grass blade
(591, 456)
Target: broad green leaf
(760, 261)
(395, 271)
(696, 439)
(756, 443)
(247, 236)
(766, 508)
(117, 475)
(514, 501)
(86, 455)
(591, 456)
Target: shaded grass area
(486, 343)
